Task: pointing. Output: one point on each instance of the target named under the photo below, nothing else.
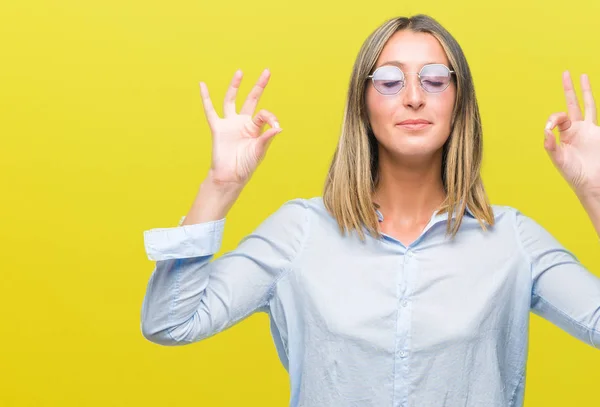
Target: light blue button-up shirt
(438, 323)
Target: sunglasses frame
(372, 77)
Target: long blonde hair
(353, 174)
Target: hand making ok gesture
(237, 143)
(577, 156)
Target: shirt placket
(403, 349)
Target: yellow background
(103, 137)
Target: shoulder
(289, 227)
(303, 207)
(512, 214)
(503, 211)
(509, 215)
(527, 230)
(295, 215)
(301, 215)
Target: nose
(414, 94)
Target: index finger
(229, 102)
(209, 110)
(588, 99)
(572, 103)
(254, 96)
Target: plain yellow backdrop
(103, 136)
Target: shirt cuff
(202, 239)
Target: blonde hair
(353, 174)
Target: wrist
(213, 201)
(213, 183)
(588, 196)
(590, 200)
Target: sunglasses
(389, 79)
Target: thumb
(265, 139)
(553, 149)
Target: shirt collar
(435, 214)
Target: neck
(408, 193)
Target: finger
(571, 97)
(209, 110)
(560, 120)
(267, 136)
(552, 148)
(265, 117)
(588, 100)
(254, 96)
(229, 102)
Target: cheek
(444, 107)
(380, 109)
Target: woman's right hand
(237, 143)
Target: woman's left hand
(577, 156)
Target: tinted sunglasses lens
(435, 78)
(388, 80)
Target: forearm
(591, 204)
(212, 202)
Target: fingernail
(276, 125)
(548, 125)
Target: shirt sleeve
(191, 296)
(563, 292)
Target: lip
(416, 124)
(414, 121)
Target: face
(410, 51)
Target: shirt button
(409, 253)
(405, 303)
(403, 354)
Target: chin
(409, 147)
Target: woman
(402, 286)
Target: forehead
(412, 49)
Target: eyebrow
(402, 64)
